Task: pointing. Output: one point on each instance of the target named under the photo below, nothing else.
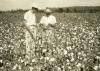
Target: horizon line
(48, 7)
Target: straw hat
(48, 11)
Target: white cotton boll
(1, 22)
(79, 53)
(22, 60)
(33, 60)
(80, 58)
(72, 59)
(68, 61)
(58, 68)
(52, 59)
(65, 52)
(1, 61)
(1, 48)
(99, 65)
(85, 59)
(96, 68)
(97, 57)
(31, 68)
(86, 21)
(60, 23)
(46, 58)
(84, 54)
(44, 50)
(68, 64)
(19, 59)
(41, 58)
(79, 65)
(91, 41)
(69, 48)
(19, 67)
(69, 67)
(72, 54)
(15, 66)
(79, 17)
(26, 62)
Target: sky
(26, 4)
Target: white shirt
(30, 18)
(48, 20)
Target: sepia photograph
(49, 35)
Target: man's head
(35, 8)
(48, 11)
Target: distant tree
(60, 10)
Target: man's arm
(52, 25)
(42, 21)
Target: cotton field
(75, 47)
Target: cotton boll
(33, 60)
(65, 52)
(52, 59)
(58, 68)
(86, 22)
(79, 53)
(85, 59)
(96, 68)
(69, 48)
(71, 54)
(47, 58)
(1, 61)
(99, 65)
(31, 68)
(44, 50)
(97, 57)
(19, 59)
(69, 67)
(15, 66)
(72, 59)
(22, 60)
(41, 58)
(1, 48)
(19, 67)
(79, 65)
(68, 61)
(84, 55)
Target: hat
(48, 11)
(35, 6)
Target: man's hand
(43, 27)
(52, 25)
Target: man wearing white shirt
(48, 19)
(30, 33)
(48, 23)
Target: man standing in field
(48, 23)
(30, 33)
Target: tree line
(76, 9)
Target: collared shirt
(30, 18)
(48, 20)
